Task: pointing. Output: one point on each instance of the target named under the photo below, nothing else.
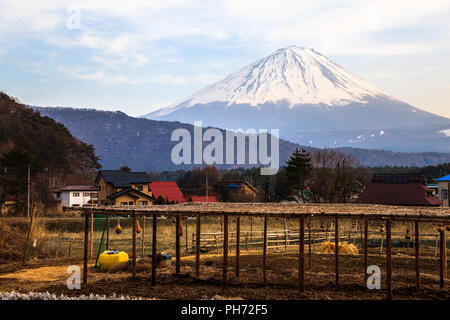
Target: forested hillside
(55, 157)
(144, 144)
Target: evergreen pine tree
(298, 168)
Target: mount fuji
(313, 101)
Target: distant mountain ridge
(144, 144)
(313, 101)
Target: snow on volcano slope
(293, 76)
(314, 101)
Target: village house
(76, 196)
(168, 190)
(123, 188)
(240, 190)
(444, 190)
(402, 190)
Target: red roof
(168, 190)
(10, 199)
(203, 198)
(408, 194)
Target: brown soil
(281, 274)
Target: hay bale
(344, 248)
(327, 247)
(348, 248)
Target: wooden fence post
(265, 251)
(238, 244)
(154, 251)
(186, 249)
(443, 258)
(417, 250)
(285, 235)
(143, 237)
(309, 245)
(251, 229)
(336, 249)
(388, 259)
(246, 241)
(177, 244)
(197, 245)
(225, 251)
(301, 263)
(133, 262)
(366, 248)
(107, 231)
(91, 236)
(86, 246)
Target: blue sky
(136, 56)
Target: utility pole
(28, 196)
(30, 221)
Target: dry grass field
(281, 273)
(46, 270)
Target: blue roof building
(444, 178)
(444, 189)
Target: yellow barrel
(108, 259)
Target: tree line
(320, 176)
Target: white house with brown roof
(76, 196)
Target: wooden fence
(298, 212)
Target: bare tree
(336, 177)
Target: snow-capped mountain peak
(291, 76)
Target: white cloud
(103, 77)
(347, 27)
(205, 78)
(119, 37)
(99, 76)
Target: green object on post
(101, 243)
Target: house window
(76, 194)
(131, 203)
(139, 188)
(444, 194)
(143, 203)
(124, 203)
(86, 194)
